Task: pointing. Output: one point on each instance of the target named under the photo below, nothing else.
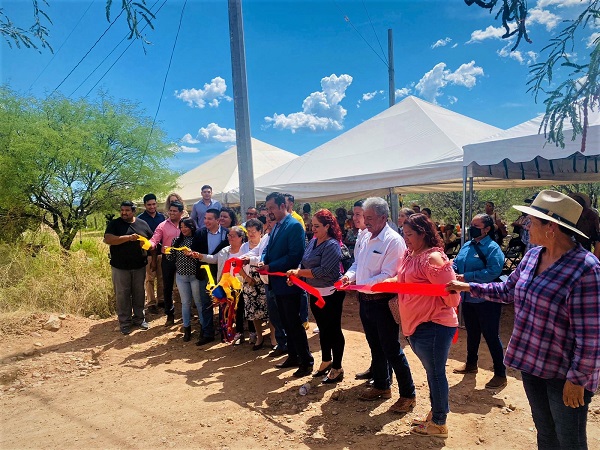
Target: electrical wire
(165, 80)
(61, 45)
(88, 52)
(347, 19)
(119, 57)
(112, 51)
(374, 32)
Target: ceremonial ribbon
(433, 290)
(301, 284)
(168, 250)
(146, 245)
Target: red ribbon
(301, 284)
(236, 263)
(434, 290)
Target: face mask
(474, 232)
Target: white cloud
(188, 139)
(543, 17)
(214, 133)
(212, 94)
(370, 95)
(402, 92)
(452, 99)
(184, 149)
(528, 57)
(557, 3)
(320, 110)
(490, 32)
(591, 39)
(431, 84)
(441, 42)
(454, 46)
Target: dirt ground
(88, 386)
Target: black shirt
(128, 255)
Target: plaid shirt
(557, 316)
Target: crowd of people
(555, 343)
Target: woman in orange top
(428, 322)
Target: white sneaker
(252, 338)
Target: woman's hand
(292, 272)
(573, 395)
(460, 277)
(457, 286)
(390, 280)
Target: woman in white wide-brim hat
(556, 336)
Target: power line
(374, 32)
(61, 45)
(88, 52)
(166, 76)
(347, 19)
(111, 52)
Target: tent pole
(470, 199)
(464, 207)
(394, 202)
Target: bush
(44, 278)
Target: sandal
(430, 429)
(417, 421)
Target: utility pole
(394, 201)
(240, 105)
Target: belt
(380, 296)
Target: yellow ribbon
(168, 250)
(146, 245)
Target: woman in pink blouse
(428, 322)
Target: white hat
(555, 207)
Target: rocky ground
(87, 386)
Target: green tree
(580, 90)
(68, 159)
(136, 13)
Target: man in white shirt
(376, 258)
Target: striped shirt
(323, 260)
(557, 316)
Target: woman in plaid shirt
(556, 337)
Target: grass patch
(44, 278)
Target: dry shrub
(48, 279)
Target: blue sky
(311, 76)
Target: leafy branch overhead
(138, 16)
(570, 100)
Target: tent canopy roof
(521, 156)
(413, 143)
(221, 172)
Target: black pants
(484, 318)
(329, 321)
(289, 306)
(169, 270)
(239, 317)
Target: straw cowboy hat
(555, 207)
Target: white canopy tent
(414, 146)
(521, 156)
(221, 172)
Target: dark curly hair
(191, 224)
(325, 217)
(422, 225)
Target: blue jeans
(484, 318)
(558, 426)
(205, 311)
(275, 320)
(189, 289)
(431, 343)
(382, 334)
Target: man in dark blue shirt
(153, 217)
